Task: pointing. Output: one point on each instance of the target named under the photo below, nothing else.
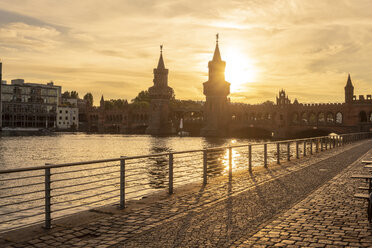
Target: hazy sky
(110, 47)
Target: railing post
(311, 147)
(278, 153)
(205, 175)
(317, 145)
(250, 158)
(265, 155)
(334, 142)
(122, 182)
(170, 173)
(304, 148)
(326, 143)
(297, 150)
(48, 218)
(289, 151)
(230, 163)
(321, 144)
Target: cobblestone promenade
(307, 202)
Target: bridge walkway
(227, 213)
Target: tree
(66, 94)
(74, 95)
(89, 98)
(143, 96)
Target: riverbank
(219, 214)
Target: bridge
(217, 116)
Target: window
(73, 118)
(60, 111)
(60, 118)
(66, 118)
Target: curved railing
(41, 194)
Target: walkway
(265, 203)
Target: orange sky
(110, 47)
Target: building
(29, 105)
(68, 115)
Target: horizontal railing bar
(136, 184)
(188, 156)
(20, 178)
(188, 170)
(83, 190)
(21, 186)
(85, 197)
(130, 192)
(94, 175)
(134, 180)
(22, 194)
(23, 217)
(86, 169)
(162, 154)
(19, 210)
(132, 175)
(85, 204)
(79, 184)
(16, 203)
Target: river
(79, 188)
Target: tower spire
(217, 54)
(161, 61)
(349, 83)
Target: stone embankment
(306, 202)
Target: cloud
(305, 47)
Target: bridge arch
(339, 118)
(362, 116)
(304, 118)
(321, 118)
(330, 118)
(295, 118)
(312, 118)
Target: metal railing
(45, 193)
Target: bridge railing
(43, 194)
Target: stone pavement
(227, 213)
(329, 217)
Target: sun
(240, 69)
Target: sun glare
(240, 69)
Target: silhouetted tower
(160, 94)
(282, 99)
(216, 90)
(102, 103)
(349, 91)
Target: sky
(306, 47)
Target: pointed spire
(349, 83)
(217, 55)
(161, 61)
(102, 100)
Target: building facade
(29, 105)
(68, 115)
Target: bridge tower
(349, 91)
(216, 90)
(160, 94)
